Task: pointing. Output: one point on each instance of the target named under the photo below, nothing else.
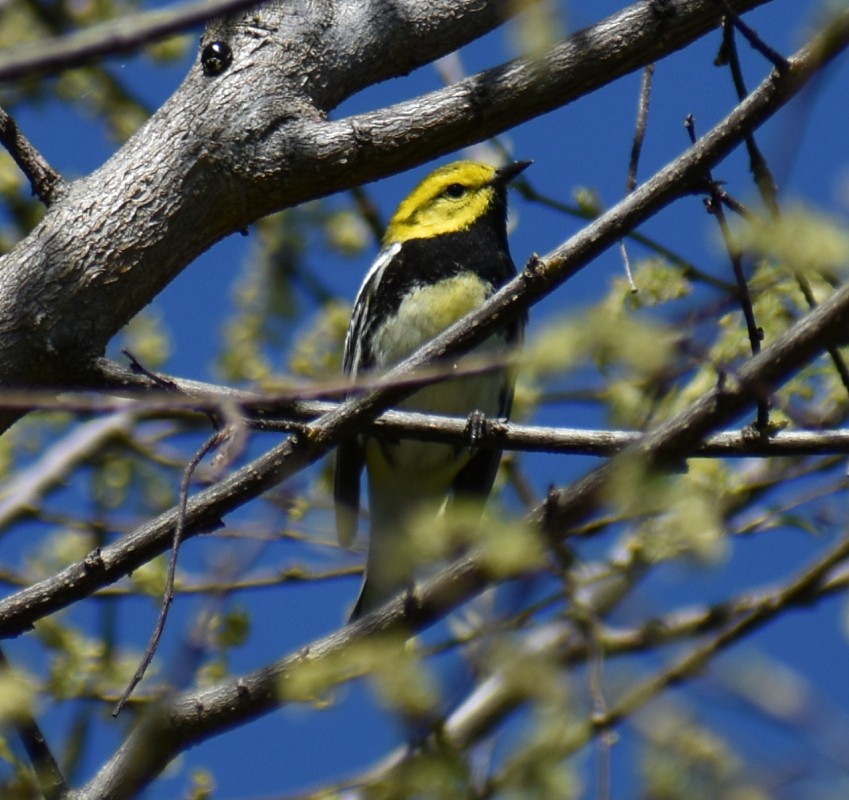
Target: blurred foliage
(201, 785)
(317, 352)
(537, 26)
(147, 337)
(683, 759)
(644, 364)
(634, 359)
(274, 280)
(81, 664)
(20, 782)
(440, 776)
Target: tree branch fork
(188, 718)
(198, 715)
(256, 139)
(675, 439)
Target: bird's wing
(357, 358)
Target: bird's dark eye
(455, 190)
(215, 58)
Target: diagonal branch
(194, 716)
(46, 183)
(256, 139)
(670, 442)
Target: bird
(444, 253)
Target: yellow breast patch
(426, 312)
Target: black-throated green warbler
(444, 253)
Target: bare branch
(45, 181)
(667, 444)
(123, 35)
(149, 226)
(271, 412)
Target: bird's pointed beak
(505, 174)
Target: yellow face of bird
(448, 200)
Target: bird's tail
(393, 556)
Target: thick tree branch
(669, 443)
(255, 139)
(199, 715)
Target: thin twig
(163, 382)
(633, 163)
(729, 201)
(757, 163)
(773, 56)
(168, 596)
(755, 333)
(640, 129)
(626, 262)
(46, 183)
(123, 35)
(766, 182)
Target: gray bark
(227, 150)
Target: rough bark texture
(226, 150)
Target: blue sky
(583, 145)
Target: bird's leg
(477, 426)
